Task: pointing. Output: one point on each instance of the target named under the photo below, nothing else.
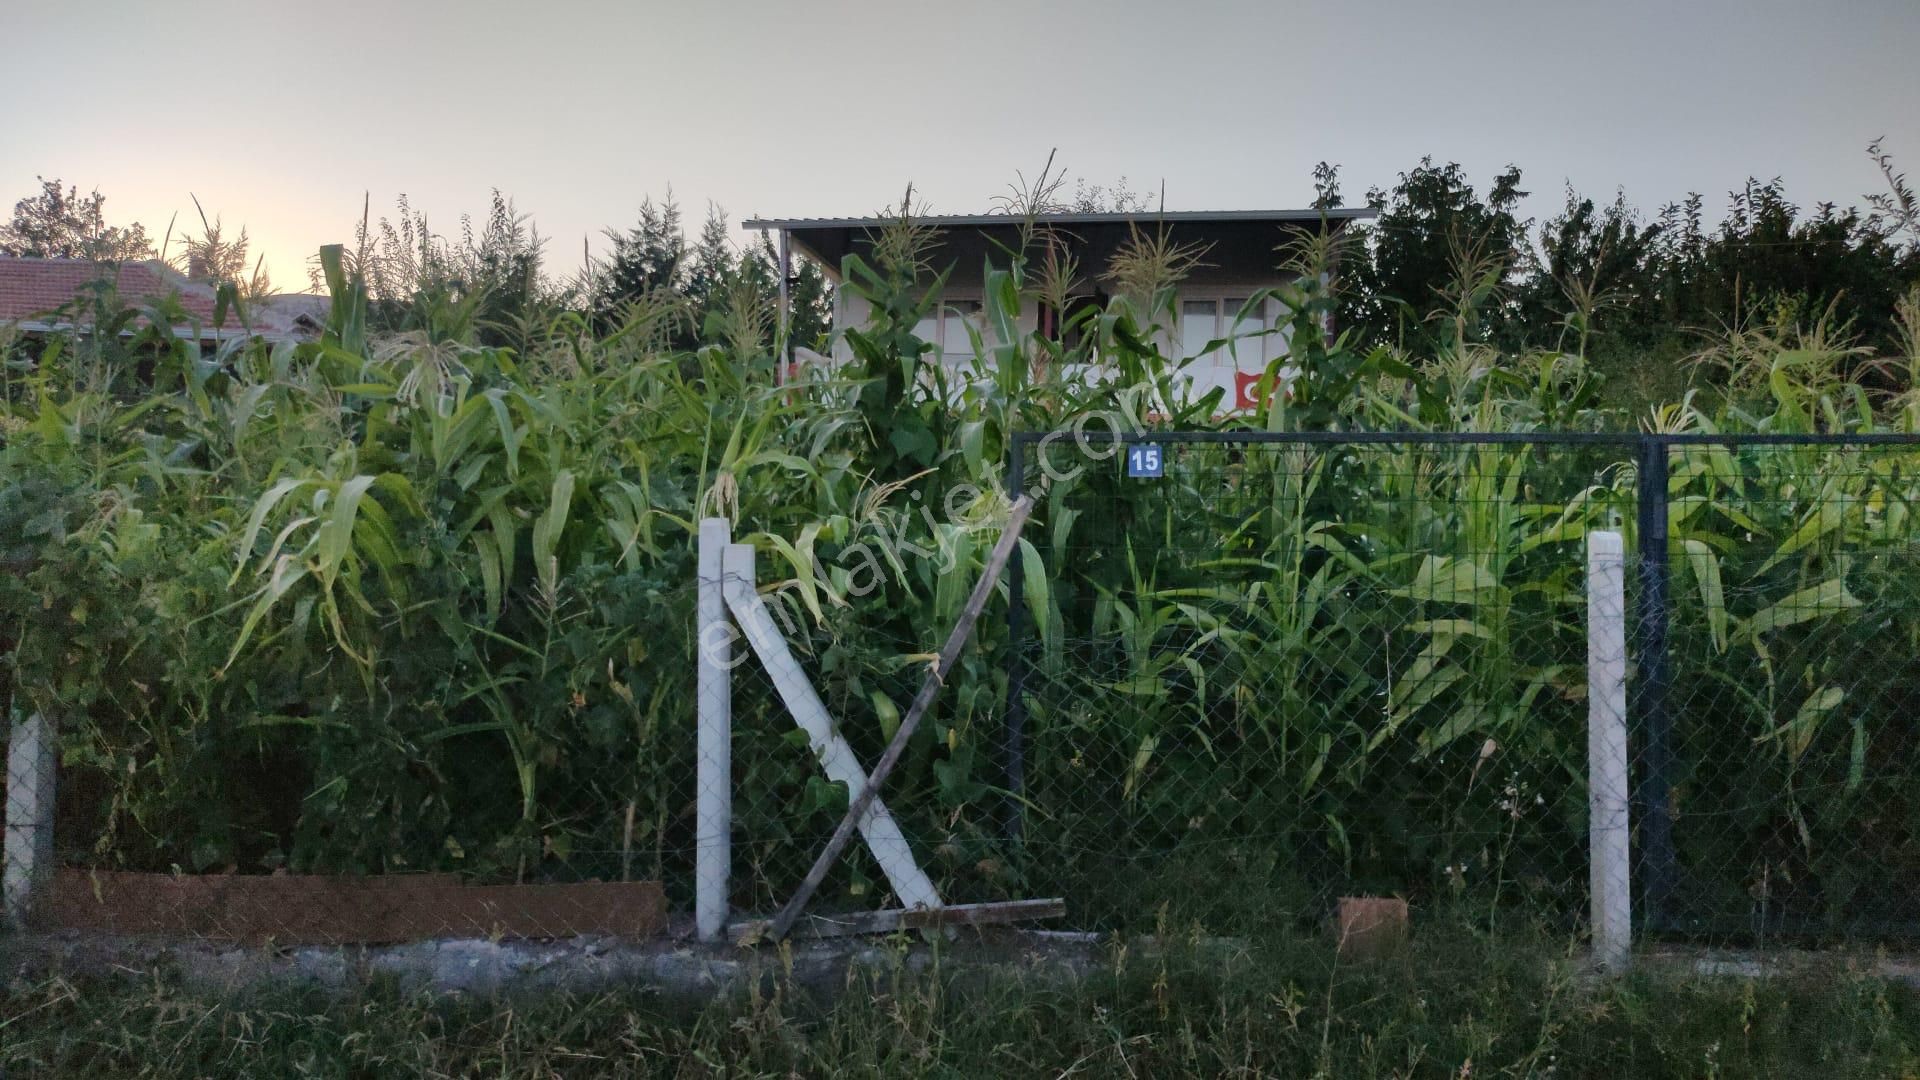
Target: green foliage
(404, 601)
(1637, 295)
(1431, 225)
(60, 223)
(645, 259)
(486, 289)
(417, 595)
(708, 286)
(221, 261)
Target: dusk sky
(280, 117)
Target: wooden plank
(929, 691)
(881, 832)
(298, 909)
(894, 919)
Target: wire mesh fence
(1233, 685)
(1779, 750)
(473, 816)
(1276, 670)
(1283, 671)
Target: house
(1243, 255)
(48, 295)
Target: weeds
(1450, 1005)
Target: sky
(285, 117)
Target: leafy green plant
(420, 598)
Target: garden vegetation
(417, 595)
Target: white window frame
(1235, 357)
(957, 354)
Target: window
(956, 345)
(944, 327)
(1207, 320)
(1072, 326)
(1199, 324)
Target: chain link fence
(1781, 743)
(447, 817)
(1234, 684)
(1268, 672)
(1285, 671)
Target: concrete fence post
(1607, 790)
(28, 851)
(713, 809)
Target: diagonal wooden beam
(881, 832)
(929, 690)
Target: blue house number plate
(1145, 459)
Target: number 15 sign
(1145, 459)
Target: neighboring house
(1243, 255)
(39, 296)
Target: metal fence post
(713, 642)
(1014, 751)
(1609, 872)
(1651, 694)
(28, 851)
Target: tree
(1594, 272)
(710, 264)
(1437, 248)
(810, 303)
(1635, 297)
(645, 258)
(501, 266)
(1326, 187)
(60, 223)
(1768, 256)
(1897, 207)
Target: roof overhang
(941, 221)
(1238, 243)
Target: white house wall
(1248, 356)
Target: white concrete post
(713, 816)
(28, 851)
(1607, 751)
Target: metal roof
(1345, 213)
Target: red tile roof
(32, 291)
(33, 288)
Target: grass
(1454, 1004)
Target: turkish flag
(1246, 388)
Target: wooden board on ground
(892, 919)
(299, 909)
